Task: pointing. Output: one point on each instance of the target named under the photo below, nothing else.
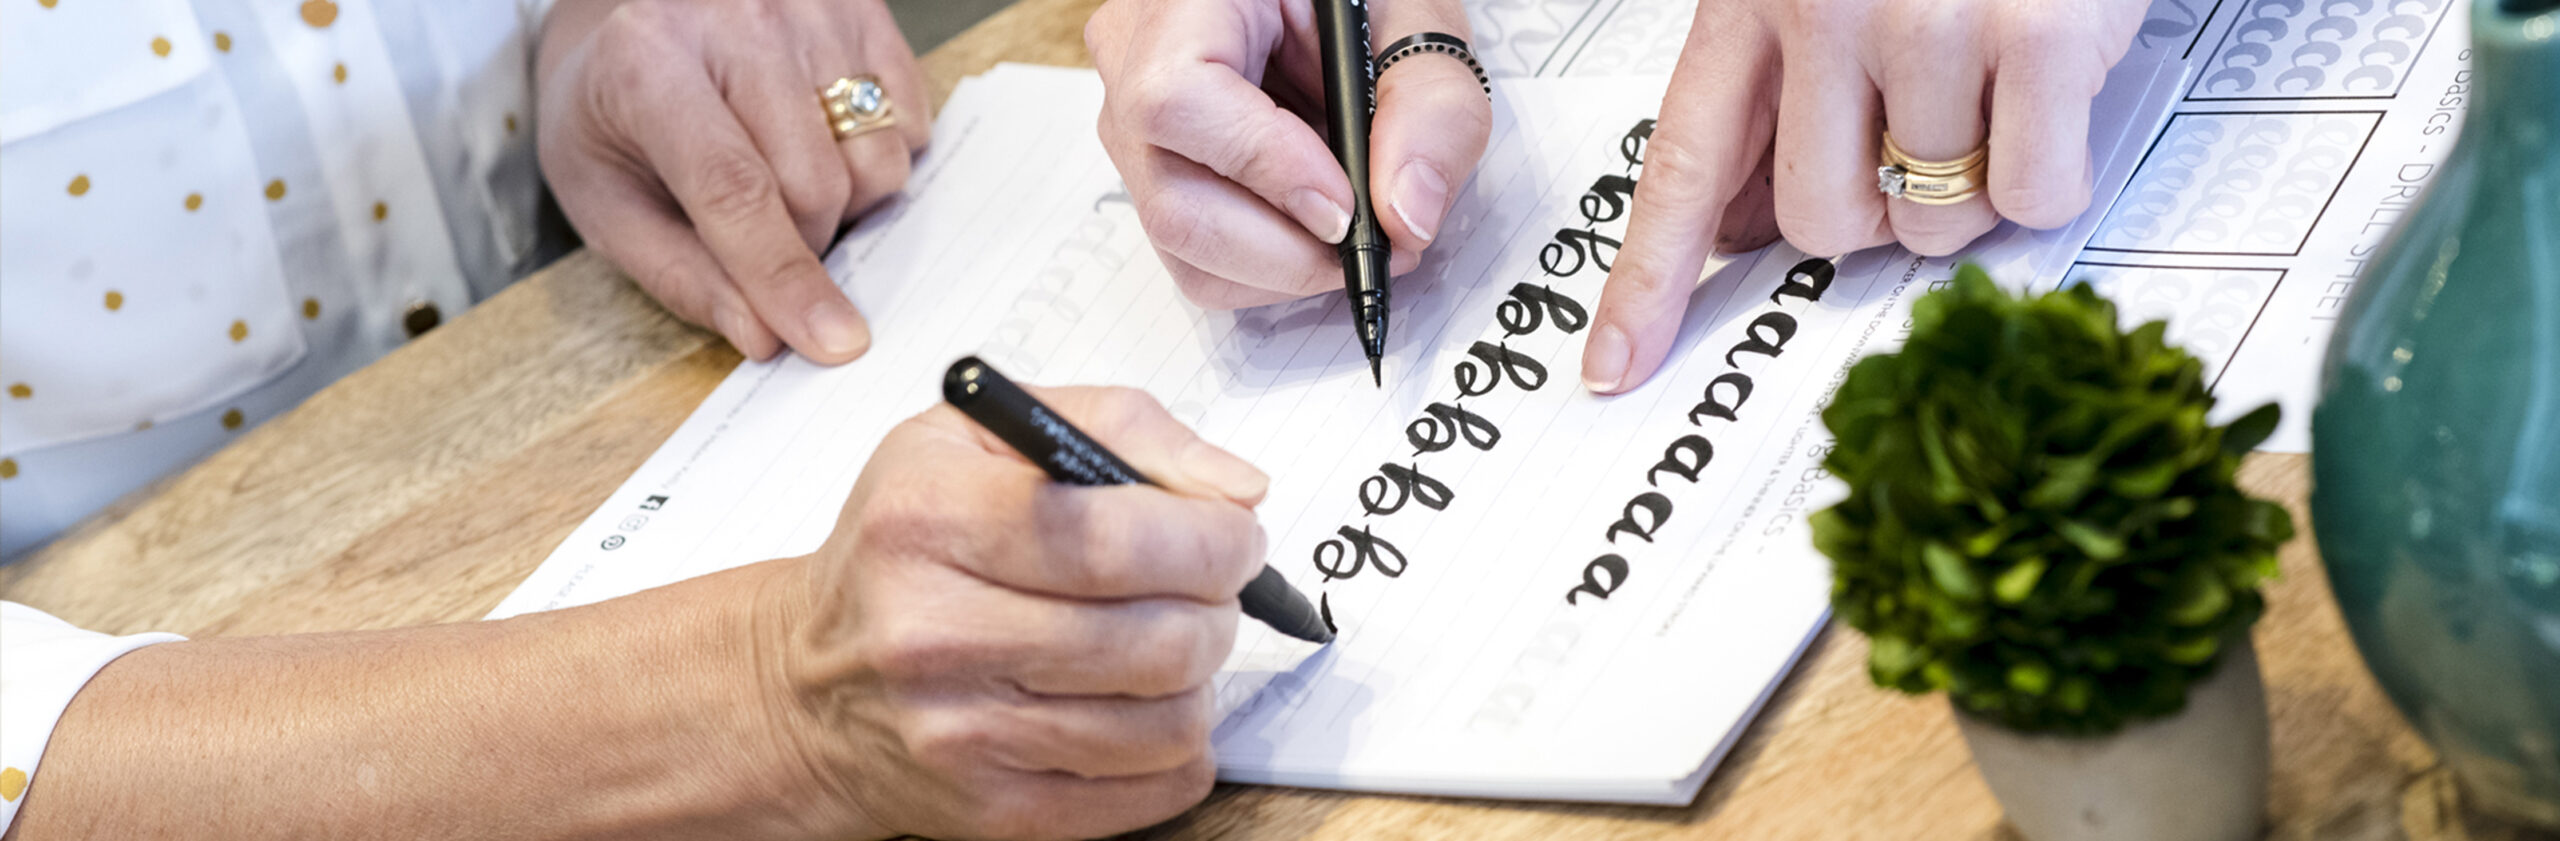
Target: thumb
(1432, 125)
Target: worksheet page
(2306, 132)
(1539, 593)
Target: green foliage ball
(2040, 521)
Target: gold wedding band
(857, 105)
(1902, 176)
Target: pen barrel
(1066, 453)
(1342, 38)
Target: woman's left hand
(1772, 127)
(687, 141)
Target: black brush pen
(1350, 98)
(1068, 455)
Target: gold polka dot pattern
(319, 13)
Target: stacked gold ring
(857, 105)
(1930, 182)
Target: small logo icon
(653, 503)
(612, 542)
(634, 522)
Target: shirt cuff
(43, 663)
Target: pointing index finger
(1716, 122)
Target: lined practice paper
(1540, 593)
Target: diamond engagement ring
(857, 105)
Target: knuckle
(1107, 546)
(1223, 541)
(733, 185)
(907, 652)
(1164, 659)
(1122, 409)
(646, 20)
(814, 187)
(893, 520)
(1678, 178)
(1823, 230)
(1175, 220)
(950, 742)
(1824, 17)
(1098, 31)
(2056, 46)
(1155, 106)
(2037, 206)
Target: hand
(1772, 127)
(981, 652)
(1214, 117)
(687, 142)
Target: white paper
(2305, 134)
(1468, 671)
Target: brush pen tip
(1376, 376)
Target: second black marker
(1068, 455)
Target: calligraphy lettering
(1499, 361)
(1443, 424)
(1408, 484)
(1355, 551)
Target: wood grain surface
(423, 488)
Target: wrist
(697, 671)
(797, 692)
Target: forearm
(641, 717)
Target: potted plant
(2042, 524)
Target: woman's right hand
(1213, 115)
(978, 651)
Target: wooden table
(424, 488)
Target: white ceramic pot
(2199, 775)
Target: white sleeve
(43, 662)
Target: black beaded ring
(1434, 42)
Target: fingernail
(838, 330)
(1604, 361)
(1420, 194)
(1219, 469)
(1327, 220)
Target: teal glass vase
(2436, 445)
